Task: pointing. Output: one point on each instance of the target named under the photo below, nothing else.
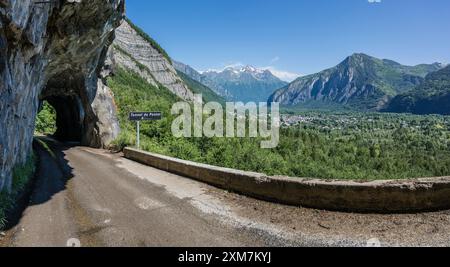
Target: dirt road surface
(89, 197)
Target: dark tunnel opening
(69, 118)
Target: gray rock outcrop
(135, 52)
(54, 51)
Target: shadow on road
(52, 176)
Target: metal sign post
(138, 135)
(143, 116)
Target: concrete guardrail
(389, 196)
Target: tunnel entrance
(62, 114)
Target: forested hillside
(320, 145)
(431, 97)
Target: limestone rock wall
(54, 49)
(132, 51)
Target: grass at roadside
(46, 147)
(21, 177)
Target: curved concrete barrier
(390, 196)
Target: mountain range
(236, 84)
(360, 82)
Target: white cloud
(234, 65)
(282, 75)
(275, 59)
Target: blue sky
(295, 36)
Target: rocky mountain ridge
(359, 82)
(236, 84)
(200, 78)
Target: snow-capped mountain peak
(251, 69)
(237, 70)
(241, 83)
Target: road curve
(92, 198)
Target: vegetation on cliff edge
(149, 39)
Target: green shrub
(46, 120)
(126, 138)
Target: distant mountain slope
(197, 76)
(135, 51)
(188, 70)
(236, 84)
(359, 82)
(199, 88)
(431, 97)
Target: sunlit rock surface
(135, 53)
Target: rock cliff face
(54, 51)
(135, 51)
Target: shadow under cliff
(52, 176)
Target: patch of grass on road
(46, 147)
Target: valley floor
(102, 199)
